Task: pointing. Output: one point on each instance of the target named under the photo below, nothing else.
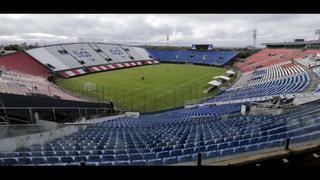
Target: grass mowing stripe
(165, 85)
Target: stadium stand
(116, 53)
(14, 82)
(171, 137)
(22, 62)
(310, 61)
(218, 58)
(283, 78)
(85, 54)
(76, 59)
(271, 56)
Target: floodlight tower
(254, 38)
(318, 33)
(167, 39)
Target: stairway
(314, 80)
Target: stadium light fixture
(254, 38)
(317, 32)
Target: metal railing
(31, 114)
(24, 129)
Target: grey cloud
(218, 29)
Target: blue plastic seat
(211, 154)
(225, 152)
(139, 163)
(187, 151)
(244, 142)
(170, 160)
(239, 149)
(211, 147)
(79, 159)
(145, 150)
(254, 140)
(149, 156)
(9, 161)
(66, 159)
(13, 154)
(222, 145)
(49, 153)
(109, 163)
(96, 152)
(135, 157)
(175, 153)
(94, 158)
(107, 158)
(36, 154)
(168, 148)
(38, 160)
(252, 147)
(108, 152)
(122, 157)
(185, 158)
(2, 155)
(120, 151)
(122, 163)
(85, 153)
(155, 162)
(234, 144)
(52, 160)
(163, 154)
(133, 151)
(156, 149)
(61, 153)
(24, 160)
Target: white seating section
(307, 62)
(84, 53)
(79, 55)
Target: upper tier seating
(270, 56)
(79, 55)
(172, 137)
(218, 58)
(85, 54)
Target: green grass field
(164, 86)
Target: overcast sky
(184, 29)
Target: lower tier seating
(170, 138)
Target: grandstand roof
(298, 43)
(215, 83)
(229, 72)
(222, 77)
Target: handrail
(51, 108)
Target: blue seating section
(317, 71)
(218, 58)
(171, 137)
(293, 84)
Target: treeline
(18, 47)
(245, 52)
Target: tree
(13, 47)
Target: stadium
(108, 104)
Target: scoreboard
(202, 46)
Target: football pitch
(147, 88)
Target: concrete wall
(12, 143)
